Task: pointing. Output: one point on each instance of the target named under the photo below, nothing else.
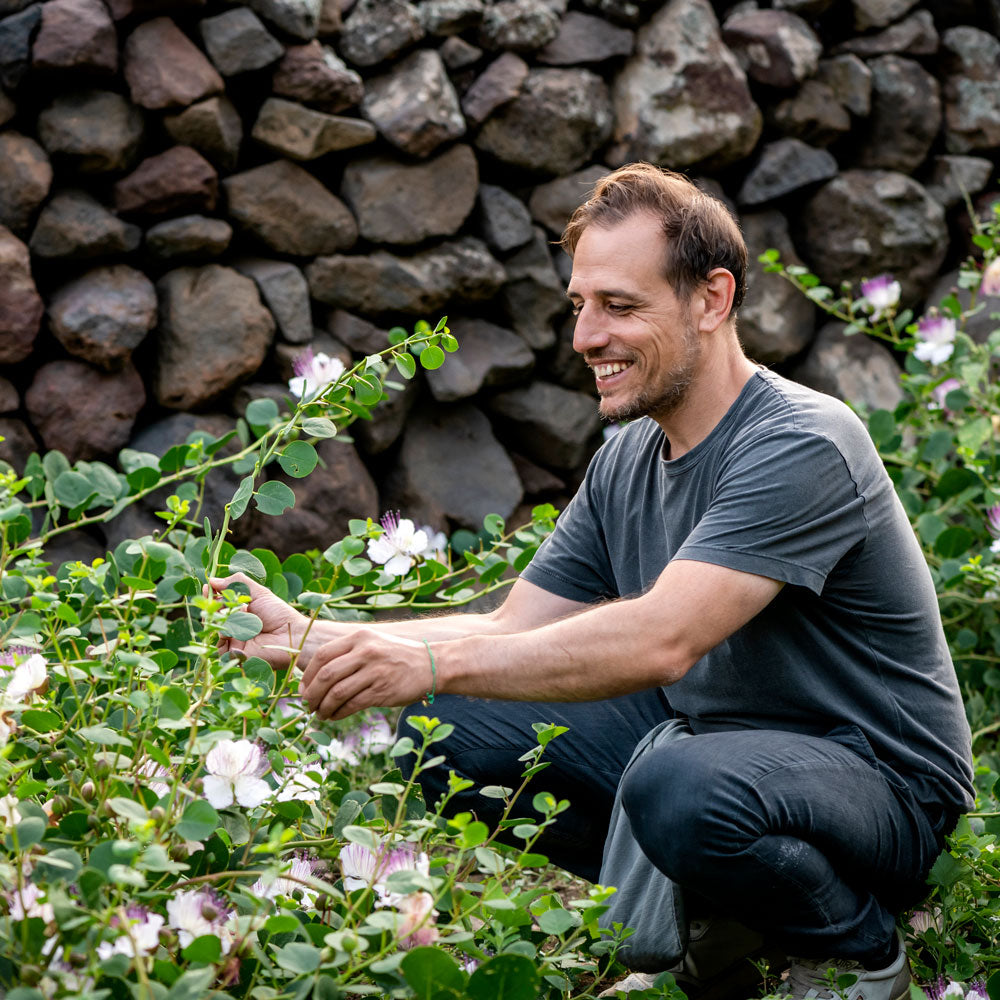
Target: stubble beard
(667, 395)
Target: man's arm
(525, 607)
(604, 651)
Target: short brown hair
(701, 233)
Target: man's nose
(589, 333)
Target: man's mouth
(604, 369)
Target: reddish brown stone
(83, 412)
(313, 74)
(76, 34)
(17, 444)
(25, 179)
(165, 69)
(213, 127)
(21, 306)
(10, 399)
(178, 180)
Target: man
(738, 558)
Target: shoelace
(808, 974)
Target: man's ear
(716, 294)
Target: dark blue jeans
(807, 840)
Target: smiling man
(736, 558)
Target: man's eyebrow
(605, 293)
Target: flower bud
(326, 954)
(158, 813)
(58, 757)
(198, 786)
(30, 975)
(93, 821)
(61, 805)
(102, 769)
(76, 959)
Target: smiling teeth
(603, 371)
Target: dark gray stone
(16, 33)
(450, 466)
(358, 334)
(388, 420)
(25, 179)
(461, 270)
(496, 86)
(954, 177)
(915, 36)
(553, 426)
(10, 398)
(776, 321)
(879, 13)
(104, 315)
(302, 133)
(289, 210)
(376, 30)
(488, 357)
(813, 115)
(557, 122)
(458, 53)
(95, 130)
(628, 12)
(83, 412)
(553, 203)
(190, 237)
(971, 90)
(287, 355)
(298, 18)
(7, 108)
(683, 98)
(784, 166)
(415, 106)
(213, 127)
(868, 222)
(850, 79)
(399, 203)
(584, 39)
(804, 8)
(534, 294)
(237, 42)
(21, 307)
(76, 35)
(564, 366)
(215, 314)
(284, 290)
(518, 25)
(504, 221)
(450, 17)
(905, 116)
(74, 224)
(856, 369)
(17, 444)
(774, 47)
(314, 74)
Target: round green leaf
(368, 389)
(432, 357)
(242, 625)
(241, 498)
(298, 459)
(953, 541)
(262, 413)
(72, 490)
(504, 977)
(406, 365)
(429, 970)
(319, 427)
(558, 921)
(298, 957)
(207, 948)
(245, 562)
(274, 498)
(198, 822)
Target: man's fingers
(327, 652)
(338, 700)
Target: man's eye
(618, 307)
(576, 308)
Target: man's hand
(283, 626)
(364, 669)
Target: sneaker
(718, 963)
(809, 978)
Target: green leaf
(242, 625)
(368, 389)
(60, 865)
(494, 524)
(406, 365)
(319, 427)
(929, 526)
(432, 357)
(558, 921)
(427, 971)
(198, 822)
(298, 459)
(504, 977)
(73, 490)
(993, 986)
(473, 835)
(40, 720)
(449, 343)
(246, 562)
(974, 434)
(954, 481)
(193, 984)
(238, 505)
(881, 426)
(261, 414)
(129, 809)
(282, 923)
(30, 831)
(953, 541)
(937, 445)
(945, 871)
(298, 957)
(274, 498)
(103, 735)
(207, 948)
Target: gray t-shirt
(789, 486)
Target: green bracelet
(429, 697)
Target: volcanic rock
(813, 115)
(398, 203)
(10, 398)
(504, 221)
(289, 210)
(553, 203)
(784, 166)
(879, 13)
(534, 294)
(915, 36)
(389, 418)
(74, 224)
(95, 130)
(850, 80)
(17, 444)
(314, 74)
(190, 237)
(16, 33)
(953, 177)
(971, 90)
(76, 34)
(103, 315)
(213, 127)
(518, 25)
(25, 178)
(458, 53)
(774, 47)
(283, 288)
(358, 334)
(214, 314)
(237, 42)
(496, 86)
(21, 307)
(376, 30)
(584, 39)
(298, 18)
(450, 17)
(179, 180)
(301, 133)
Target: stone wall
(193, 193)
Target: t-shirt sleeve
(573, 562)
(788, 508)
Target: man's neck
(717, 384)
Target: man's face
(630, 319)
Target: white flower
(298, 785)
(360, 866)
(881, 293)
(9, 812)
(417, 928)
(953, 989)
(150, 769)
(313, 373)
(27, 677)
(337, 750)
(143, 932)
(937, 339)
(373, 736)
(195, 913)
(235, 768)
(363, 868)
(995, 547)
(27, 902)
(437, 545)
(990, 284)
(399, 542)
(285, 885)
